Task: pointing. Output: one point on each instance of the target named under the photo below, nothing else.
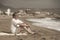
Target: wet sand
(41, 32)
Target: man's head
(16, 14)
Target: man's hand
(24, 25)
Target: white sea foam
(46, 22)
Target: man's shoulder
(13, 19)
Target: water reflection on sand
(46, 22)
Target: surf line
(7, 34)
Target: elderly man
(18, 24)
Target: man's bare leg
(29, 30)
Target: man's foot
(32, 32)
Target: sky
(31, 3)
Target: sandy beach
(41, 32)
